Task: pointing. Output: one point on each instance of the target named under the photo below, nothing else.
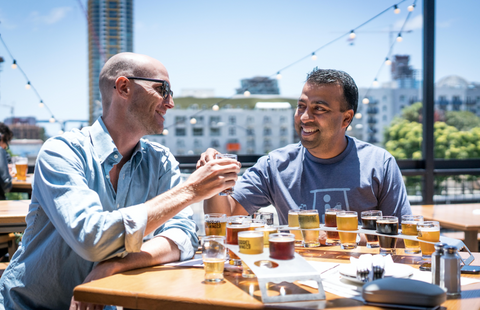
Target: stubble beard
(144, 118)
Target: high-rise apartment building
(110, 31)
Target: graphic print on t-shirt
(328, 198)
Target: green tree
(462, 120)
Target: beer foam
(346, 215)
(429, 229)
(282, 239)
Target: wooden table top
(26, 185)
(453, 216)
(163, 287)
(13, 211)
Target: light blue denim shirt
(77, 219)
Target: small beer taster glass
(369, 221)
(293, 222)
(387, 225)
(309, 219)
(213, 254)
(215, 224)
(282, 246)
(228, 191)
(250, 242)
(347, 220)
(409, 228)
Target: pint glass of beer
(215, 224)
(228, 191)
(282, 246)
(250, 242)
(347, 220)
(387, 225)
(213, 255)
(331, 221)
(369, 221)
(309, 219)
(428, 231)
(409, 228)
(293, 222)
(21, 165)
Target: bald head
(127, 64)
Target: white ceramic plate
(349, 271)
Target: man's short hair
(6, 134)
(330, 76)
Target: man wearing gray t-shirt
(326, 169)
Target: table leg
(471, 240)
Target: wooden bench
(9, 241)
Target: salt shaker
(439, 251)
(450, 271)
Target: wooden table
(162, 287)
(12, 215)
(455, 216)
(23, 186)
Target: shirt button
(115, 156)
(107, 176)
(118, 206)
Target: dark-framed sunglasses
(164, 89)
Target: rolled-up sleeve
(135, 222)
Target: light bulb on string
(165, 132)
(375, 82)
(396, 9)
(352, 34)
(388, 62)
(41, 104)
(349, 128)
(52, 119)
(358, 115)
(215, 107)
(14, 65)
(279, 76)
(60, 132)
(193, 121)
(411, 7)
(246, 93)
(314, 57)
(28, 86)
(399, 37)
(365, 100)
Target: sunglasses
(164, 89)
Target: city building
(24, 128)
(110, 31)
(253, 125)
(259, 85)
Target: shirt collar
(102, 141)
(335, 159)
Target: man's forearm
(218, 204)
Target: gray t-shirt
(362, 177)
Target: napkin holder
(296, 269)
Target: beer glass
(409, 228)
(250, 242)
(369, 221)
(236, 224)
(228, 191)
(428, 231)
(347, 220)
(256, 223)
(267, 231)
(293, 222)
(282, 246)
(215, 224)
(331, 221)
(308, 219)
(263, 215)
(387, 225)
(21, 165)
(213, 255)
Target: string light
(14, 65)
(399, 37)
(165, 132)
(388, 62)
(352, 34)
(411, 7)
(365, 100)
(193, 121)
(279, 76)
(358, 115)
(60, 132)
(52, 119)
(375, 82)
(41, 105)
(28, 86)
(246, 93)
(349, 128)
(215, 107)
(396, 9)
(314, 57)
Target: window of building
(113, 41)
(283, 131)
(214, 120)
(283, 119)
(112, 14)
(250, 132)
(266, 119)
(232, 131)
(179, 120)
(215, 143)
(384, 118)
(180, 143)
(251, 143)
(384, 108)
(478, 99)
(250, 119)
(232, 120)
(112, 4)
(113, 32)
(267, 131)
(197, 143)
(384, 98)
(215, 132)
(112, 50)
(199, 120)
(180, 132)
(402, 98)
(267, 143)
(197, 132)
(442, 98)
(112, 23)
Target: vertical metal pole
(428, 98)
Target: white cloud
(55, 15)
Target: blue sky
(214, 44)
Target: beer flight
(252, 235)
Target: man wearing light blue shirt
(99, 193)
